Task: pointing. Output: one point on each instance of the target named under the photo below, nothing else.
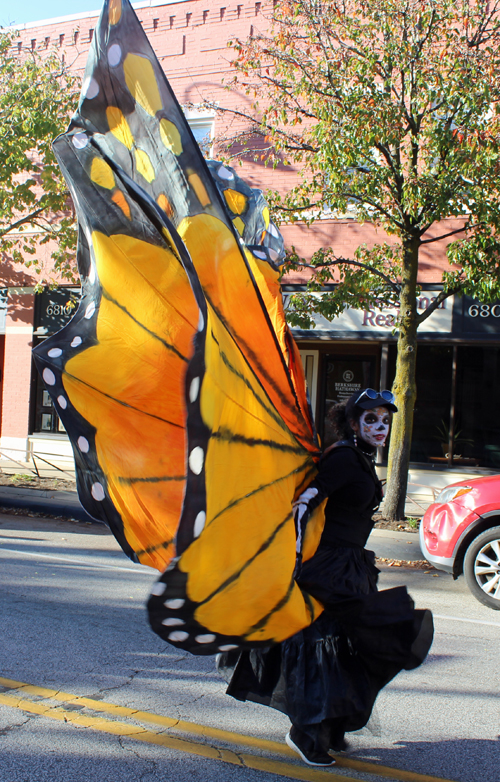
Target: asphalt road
(73, 622)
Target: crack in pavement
(100, 693)
(5, 731)
(152, 763)
(188, 702)
(179, 659)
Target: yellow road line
(242, 759)
(192, 728)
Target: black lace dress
(327, 677)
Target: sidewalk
(420, 494)
(385, 543)
(390, 544)
(55, 503)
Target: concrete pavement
(395, 545)
(76, 632)
(53, 502)
(385, 543)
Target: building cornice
(89, 14)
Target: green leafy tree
(37, 97)
(389, 109)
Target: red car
(460, 533)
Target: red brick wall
(17, 364)
(190, 39)
(344, 236)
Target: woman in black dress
(326, 678)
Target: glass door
(342, 376)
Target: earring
(355, 439)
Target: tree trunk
(404, 388)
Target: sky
(21, 11)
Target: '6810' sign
(484, 310)
(480, 317)
(53, 309)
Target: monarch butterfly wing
(232, 583)
(251, 218)
(107, 369)
(130, 113)
(198, 425)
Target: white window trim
(310, 362)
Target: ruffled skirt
(331, 672)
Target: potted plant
(443, 435)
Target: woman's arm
(336, 469)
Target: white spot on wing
(62, 402)
(208, 638)
(90, 88)
(55, 352)
(196, 458)
(199, 523)
(49, 377)
(172, 621)
(80, 140)
(97, 492)
(227, 647)
(178, 635)
(174, 604)
(83, 444)
(201, 322)
(76, 341)
(114, 55)
(224, 173)
(90, 310)
(194, 389)
(158, 589)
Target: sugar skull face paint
(374, 426)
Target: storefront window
(456, 388)
(477, 409)
(46, 418)
(432, 408)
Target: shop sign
(382, 319)
(475, 317)
(53, 309)
(345, 376)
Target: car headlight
(451, 493)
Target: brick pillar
(17, 372)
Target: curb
(385, 543)
(67, 507)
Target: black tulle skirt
(334, 669)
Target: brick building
(459, 359)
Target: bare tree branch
(396, 288)
(442, 296)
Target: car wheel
(482, 568)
